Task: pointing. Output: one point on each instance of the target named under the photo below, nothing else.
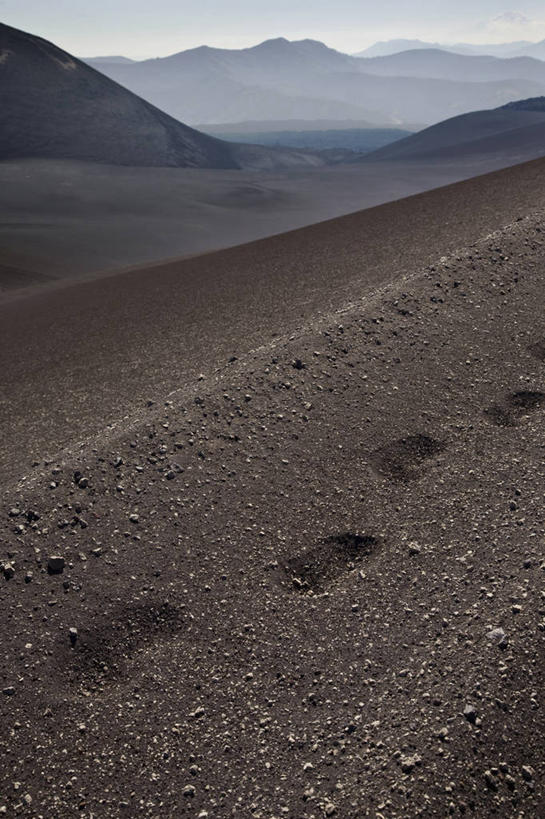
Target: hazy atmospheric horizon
(138, 29)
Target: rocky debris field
(308, 584)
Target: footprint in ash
(406, 459)
(102, 656)
(514, 408)
(322, 566)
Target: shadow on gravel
(515, 406)
(320, 567)
(99, 658)
(404, 459)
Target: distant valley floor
(65, 219)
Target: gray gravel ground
(309, 583)
(75, 359)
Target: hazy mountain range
(279, 80)
(522, 48)
(182, 191)
(55, 106)
(445, 65)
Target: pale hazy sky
(148, 28)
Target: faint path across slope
(74, 359)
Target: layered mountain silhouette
(514, 132)
(56, 106)
(279, 79)
(445, 65)
(266, 82)
(521, 48)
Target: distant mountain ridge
(437, 64)
(282, 80)
(56, 106)
(521, 48)
(206, 84)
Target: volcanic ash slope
(310, 584)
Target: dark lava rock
(55, 564)
(527, 773)
(470, 714)
(9, 571)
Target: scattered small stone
(490, 780)
(9, 570)
(414, 548)
(330, 809)
(297, 364)
(134, 518)
(498, 635)
(9, 691)
(55, 564)
(527, 773)
(408, 763)
(189, 790)
(470, 714)
(73, 634)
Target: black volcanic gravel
(299, 591)
(74, 359)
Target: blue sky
(147, 28)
